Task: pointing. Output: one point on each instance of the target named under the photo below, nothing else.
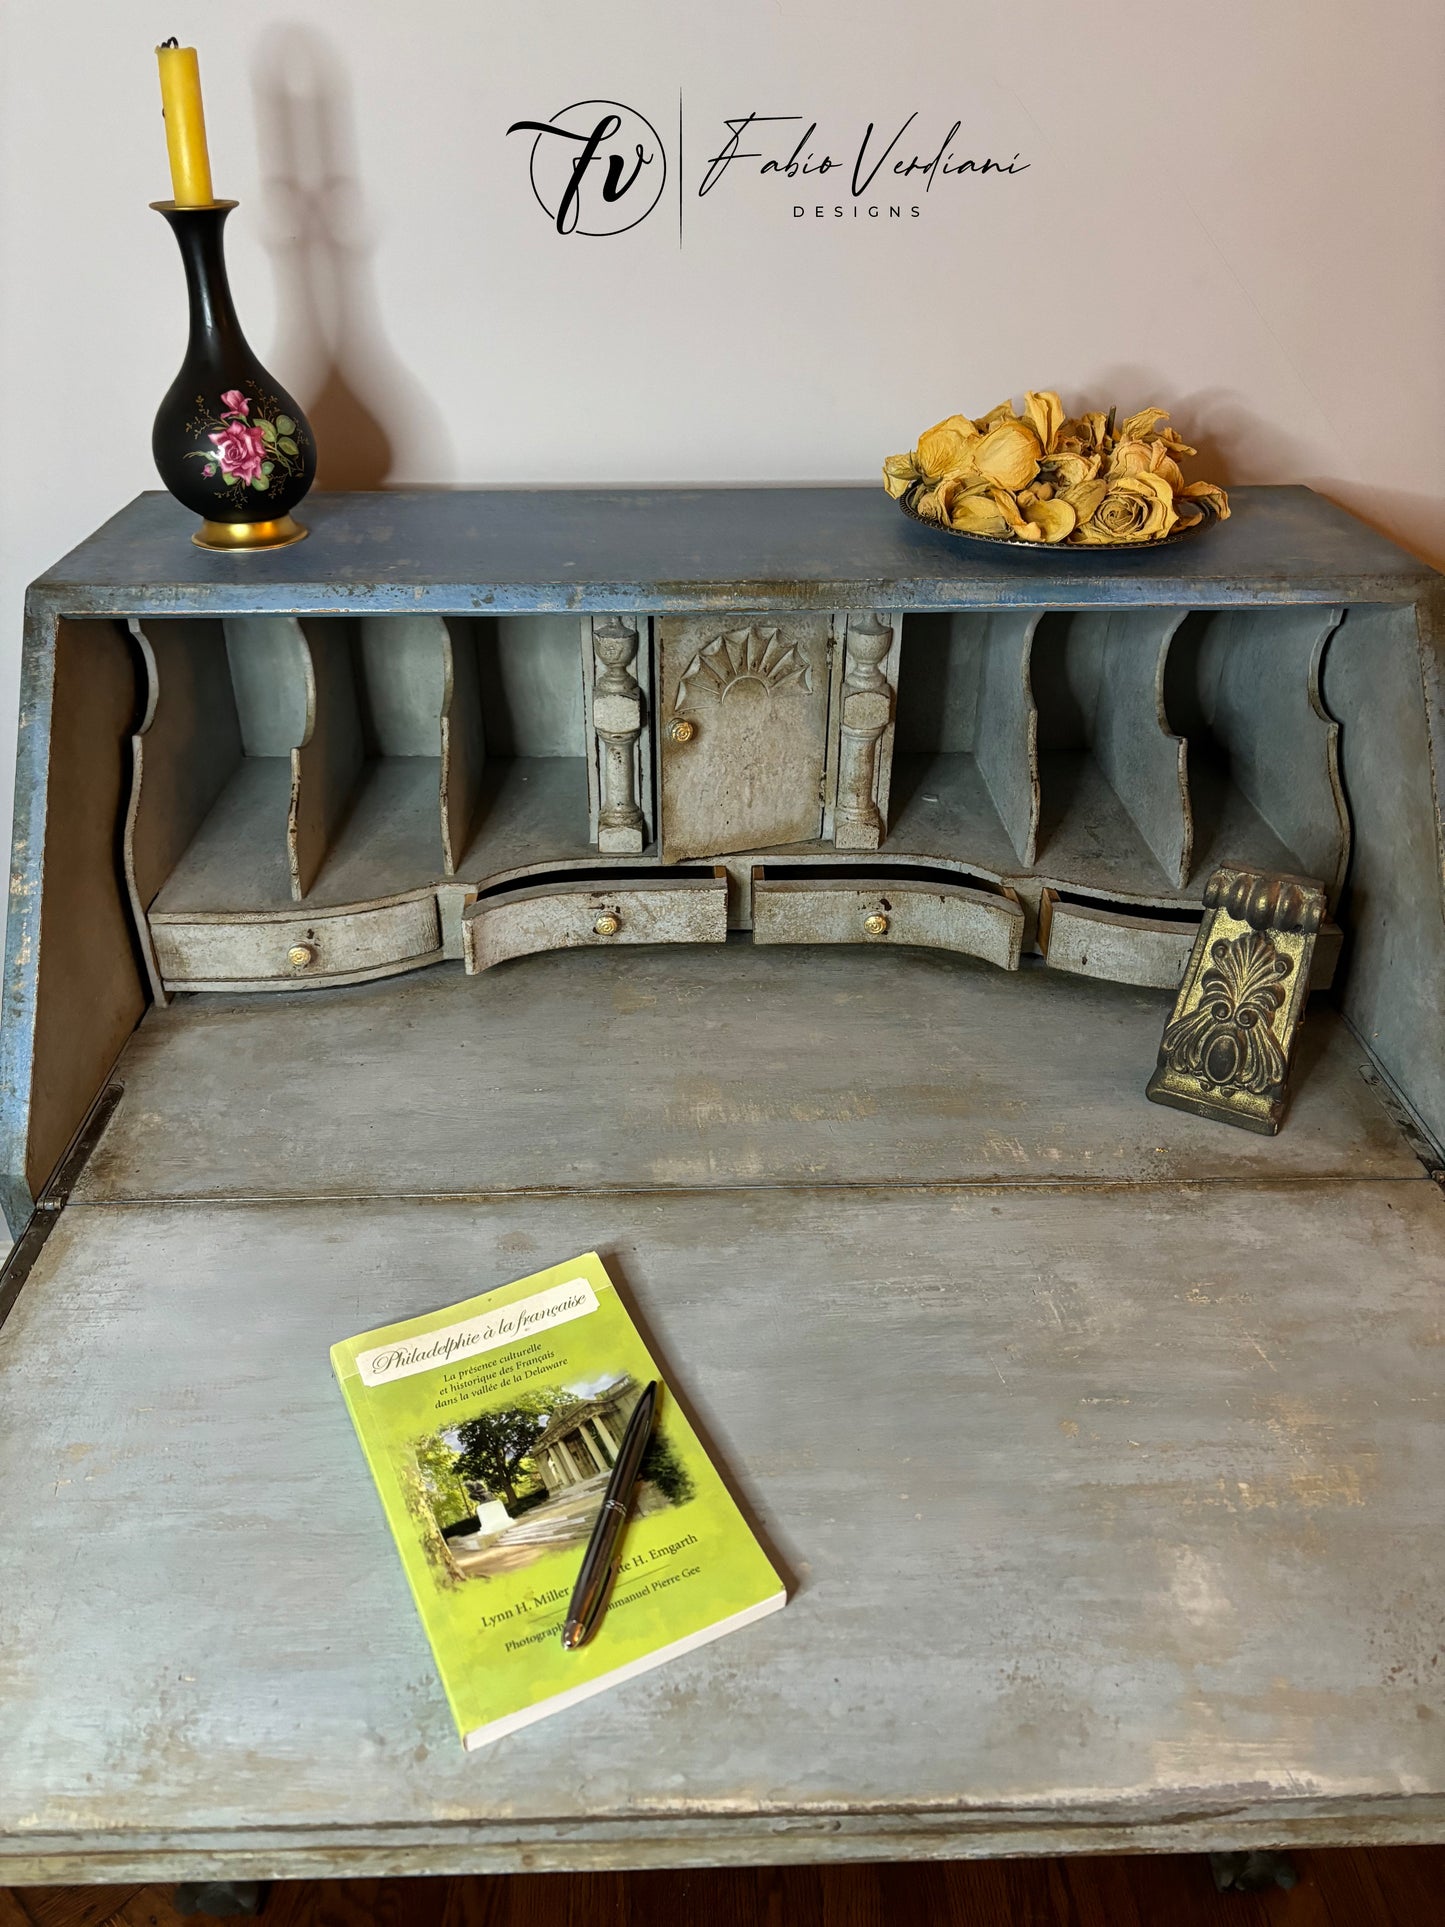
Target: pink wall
(1232, 209)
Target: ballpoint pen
(585, 1606)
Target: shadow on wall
(330, 339)
(1237, 446)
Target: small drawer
(1093, 940)
(566, 916)
(268, 953)
(1150, 949)
(889, 910)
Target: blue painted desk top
(454, 551)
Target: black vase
(229, 442)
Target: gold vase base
(276, 534)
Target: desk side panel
(74, 988)
(1383, 678)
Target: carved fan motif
(758, 656)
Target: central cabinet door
(744, 731)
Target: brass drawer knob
(607, 925)
(300, 956)
(681, 730)
(876, 925)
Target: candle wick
(172, 42)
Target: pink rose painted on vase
(241, 450)
(261, 453)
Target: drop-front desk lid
(1100, 1445)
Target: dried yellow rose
(976, 512)
(1136, 427)
(1133, 508)
(1042, 477)
(1067, 471)
(1044, 413)
(933, 503)
(1210, 496)
(900, 472)
(1146, 457)
(1008, 456)
(1056, 520)
(1199, 499)
(1033, 518)
(945, 448)
(1084, 435)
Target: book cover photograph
(492, 1429)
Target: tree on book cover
(491, 1429)
(513, 1481)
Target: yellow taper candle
(185, 126)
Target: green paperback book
(490, 1429)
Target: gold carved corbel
(1226, 1048)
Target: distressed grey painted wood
(965, 696)
(315, 948)
(545, 557)
(866, 702)
(74, 987)
(1380, 665)
(1086, 830)
(616, 677)
(941, 807)
(186, 749)
(691, 909)
(890, 912)
(1108, 1520)
(1226, 822)
(1250, 681)
(464, 742)
(531, 693)
(237, 860)
(401, 683)
(388, 841)
(1091, 940)
(1111, 821)
(270, 682)
(683, 550)
(743, 720)
(532, 811)
(807, 1066)
(327, 763)
(1006, 730)
(1109, 668)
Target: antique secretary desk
(785, 901)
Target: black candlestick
(229, 442)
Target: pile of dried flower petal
(1041, 478)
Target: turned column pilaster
(617, 721)
(866, 711)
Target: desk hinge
(1405, 1122)
(52, 1200)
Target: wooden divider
(326, 764)
(1117, 658)
(185, 751)
(1244, 685)
(1006, 730)
(463, 742)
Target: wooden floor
(1397, 1887)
